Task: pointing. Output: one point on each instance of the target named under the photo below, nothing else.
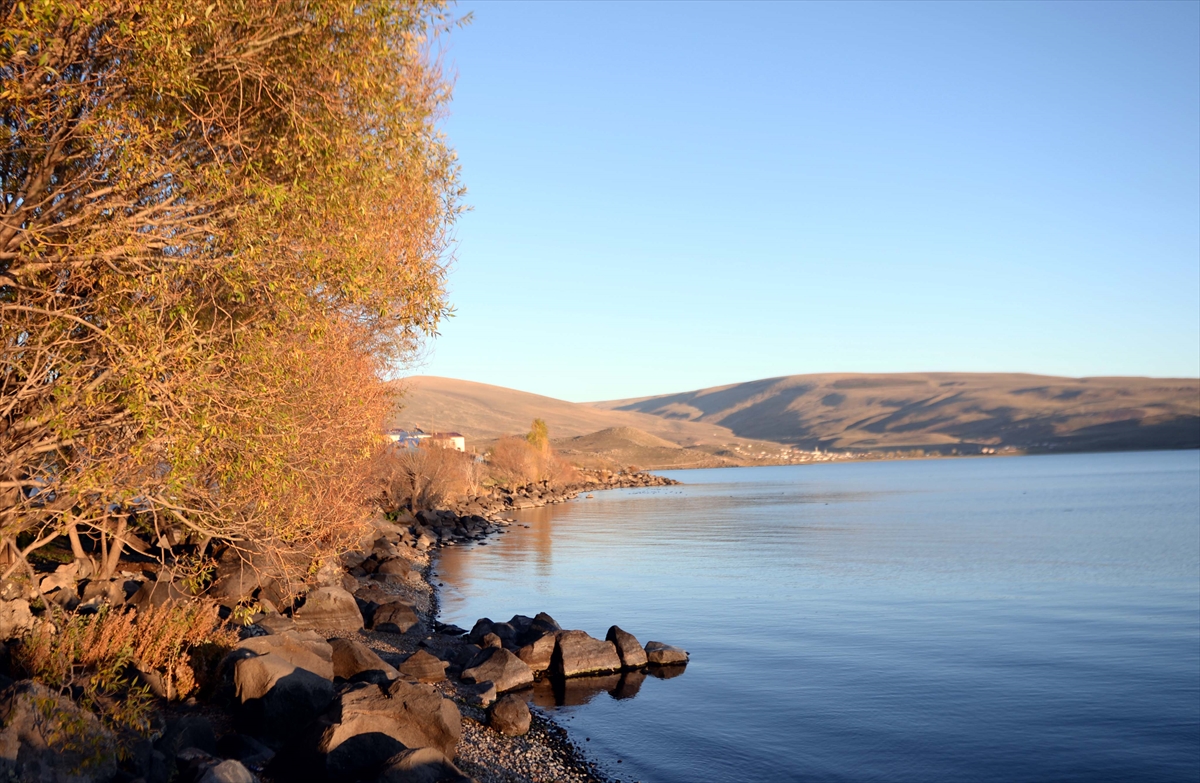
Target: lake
(992, 619)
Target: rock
(466, 654)
(506, 633)
(228, 771)
(157, 592)
(628, 648)
(32, 747)
(15, 618)
(245, 749)
(329, 608)
(490, 640)
(510, 716)
(661, 654)
(368, 725)
(501, 667)
(395, 617)
(351, 658)
(237, 577)
(577, 653)
(277, 698)
(187, 731)
(397, 566)
(303, 649)
(537, 654)
(480, 694)
(421, 765)
(273, 622)
(542, 625)
(482, 627)
(424, 667)
(64, 577)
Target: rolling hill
(943, 411)
(483, 413)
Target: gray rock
(421, 765)
(278, 698)
(510, 716)
(273, 622)
(542, 625)
(661, 654)
(228, 771)
(15, 618)
(395, 617)
(157, 592)
(538, 653)
(187, 731)
(28, 747)
(367, 726)
(501, 667)
(329, 608)
(628, 648)
(351, 658)
(245, 749)
(577, 653)
(303, 649)
(424, 667)
(491, 640)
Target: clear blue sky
(672, 196)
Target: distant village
(411, 439)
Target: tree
(221, 225)
(539, 435)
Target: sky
(670, 196)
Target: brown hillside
(944, 410)
(484, 413)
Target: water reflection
(551, 692)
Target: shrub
(97, 656)
(426, 477)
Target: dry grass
(96, 654)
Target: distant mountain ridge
(943, 411)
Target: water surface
(1005, 619)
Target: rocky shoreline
(356, 681)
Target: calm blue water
(1014, 619)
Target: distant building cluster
(411, 439)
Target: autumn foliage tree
(221, 224)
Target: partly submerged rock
(628, 648)
(537, 654)
(577, 653)
(661, 654)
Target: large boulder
(15, 618)
(421, 765)
(577, 653)
(501, 667)
(48, 738)
(510, 716)
(277, 697)
(628, 648)
(537, 654)
(423, 667)
(368, 725)
(303, 649)
(228, 771)
(661, 654)
(329, 608)
(395, 617)
(351, 658)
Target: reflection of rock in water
(667, 672)
(559, 692)
(574, 691)
(630, 684)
